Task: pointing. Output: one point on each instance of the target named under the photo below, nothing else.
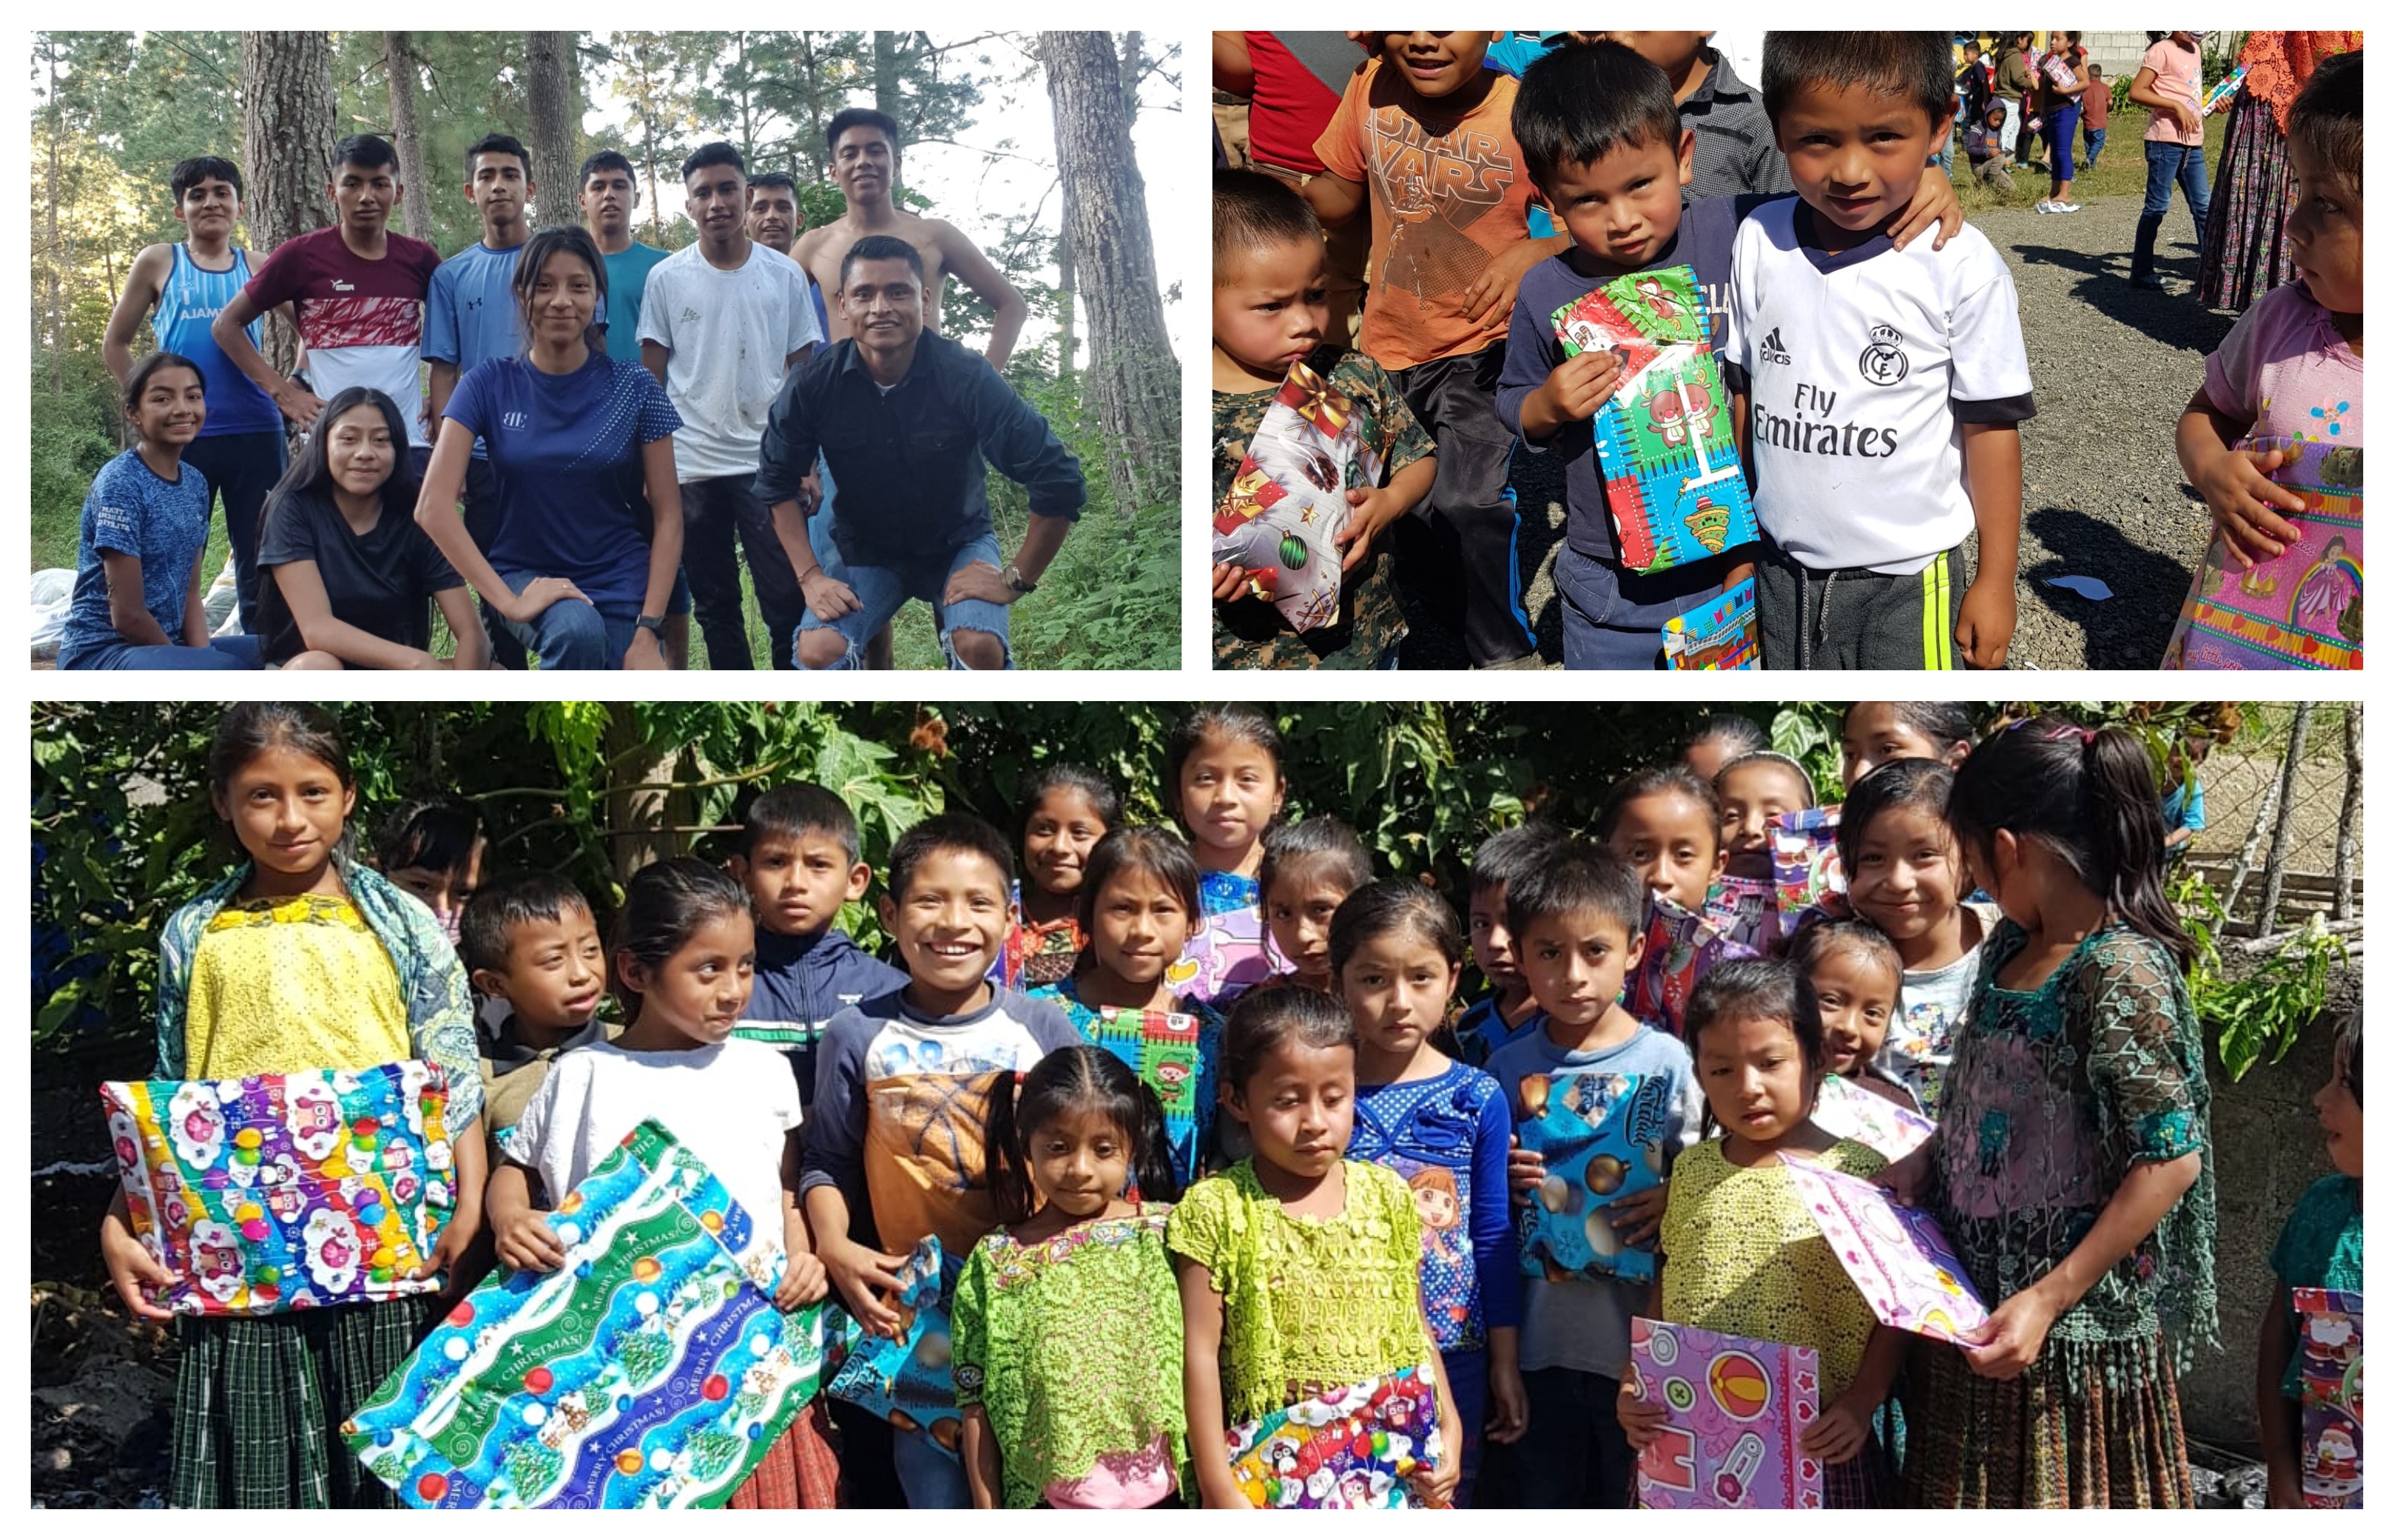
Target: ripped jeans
(881, 592)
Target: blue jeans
(570, 634)
(929, 1475)
(881, 592)
(2164, 164)
(2095, 138)
(223, 652)
(1612, 617)
(1467, 1381)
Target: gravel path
(2101, 492)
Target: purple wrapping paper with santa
(2330, 1356)
(1738, 1409)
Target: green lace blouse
(1309, 1304)
(1071, 1347)
(2054, 1093)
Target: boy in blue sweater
(1604, 144)
(799, 858)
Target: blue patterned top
(1177, 1053)
(1219, 892)
(134, 511)
(1450, 1131)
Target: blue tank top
(188, 304)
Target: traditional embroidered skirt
(2113, 1439)
(2245, 253)
(800, 1471)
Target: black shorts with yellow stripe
(1855, 618)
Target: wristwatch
(653, 625)
(1016, 580)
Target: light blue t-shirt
(133, 510)
(470, 314)
(627, 280)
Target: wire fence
(2282, 835)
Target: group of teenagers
(1140, 1260)
(591, 435)
(1877, 380)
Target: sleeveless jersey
(188, 303)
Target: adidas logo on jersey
(1774, 351)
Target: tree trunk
(2273, 875)
(1133, 377)
(415, 204)
(2347, 832)
(548, 92)
(887, 67)
(1132, 61)
(1064, 295)
(639, 823)
(55, 344)
(287, 136)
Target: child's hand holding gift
(1640, 1419)
(1574, 392)
(2245, 503)
(1375, 508)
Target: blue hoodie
(802, 982)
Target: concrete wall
(2266, 1138)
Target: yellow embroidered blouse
(292, 984)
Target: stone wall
(2269, 1148)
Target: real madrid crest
(1882, 361)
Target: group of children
(1168, 1214)
(1876, 381)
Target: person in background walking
(2169, 83)
(2095, 112)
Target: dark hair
(1158, 853)
(782, 179)
(366, 151)
(1916, 66)
(1742, 734)
(436, 834)
(1320, 841)
(1505, 854)
(2326, 117)
(860, 117)
(1058, 775)
(1391, 905)
(713, 153)
(1583, 100)
(1927, 784)
(1671, 780)
(610, 160)
(1823, 938)
(251, 728)
(1578, 879)
(668, 901)
(2095, 70)
(1749, 989)
(1252, 210)
(2349, 1039)
(189, 174)
(486, 927)
(573, 240)
(310, 475)
(2091, 799)
(1264, 1019)
(1944, 723)
(498, 144)
(881, 248)
(136, 379)
(1078, 1079)
(1772, 756)
(1970, 42)
(795, 809)
(959, 833)
(1234, 723)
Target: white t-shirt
(732, 1105)
(1863, 368)
(728, 333)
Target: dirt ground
(2101, 493)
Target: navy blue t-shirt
(567, 450)
(1707, 235)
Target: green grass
(2120, 173)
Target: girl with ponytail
(1066, 1324)
(2071, 1166)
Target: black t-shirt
(382, 582)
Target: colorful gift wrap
(2225, 92)
(1680, 949)
(283, 1191)
(1737, 1408)
(1804, 862)
(1672, 480)
(1351, 1449)
(1896, 1256)
(650, 1370)
(1287, 506)
(1227, 954)
(1601, 1137)
(1722, 633)
(2330, 1352)
(2300, 610)
(1177, 1055)
(1746, 911)
(1848, 1110)
(909, 1380)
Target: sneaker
(2068, 208)
(2045, 205)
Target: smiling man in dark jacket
(906, 419)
